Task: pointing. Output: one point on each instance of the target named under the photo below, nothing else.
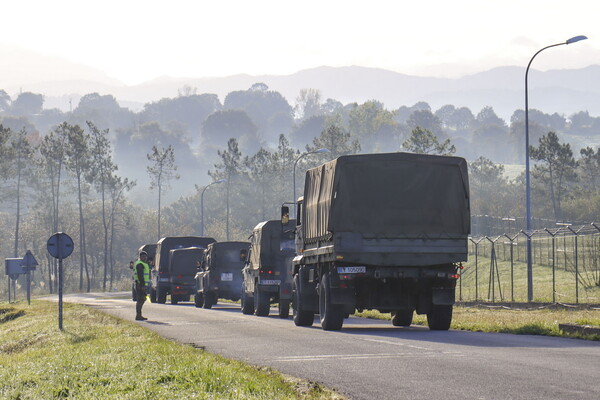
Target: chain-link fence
(565, 266)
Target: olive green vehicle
(381, 231)
(220, 276)
(267, 276)
(164, 276)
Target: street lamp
(294, 173)
(527, 179)
(202, 203)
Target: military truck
(150, 249)
(183, 266)
(161, 279)
(221, 274)
(267, 274)
(381, 231)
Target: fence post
(494, 267)
(553, 262)
(576, 233)
(476, 243)
(512, 266)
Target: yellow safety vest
(146, 272)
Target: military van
(162, 283)
(183, 266)
(221, 274)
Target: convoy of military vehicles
(386, 232)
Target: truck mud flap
(443, 296)
(343, 296)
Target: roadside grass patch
(542, 321)
(100, 356)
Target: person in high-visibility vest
(141, 274)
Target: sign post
(13, 270)
(29, 263)
(60, 245)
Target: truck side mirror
(243, 255)
(285, 215)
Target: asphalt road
(371, 359)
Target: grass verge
(100, 356)
(484, 318)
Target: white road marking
(336, 357)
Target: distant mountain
(561, 91)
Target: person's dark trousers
(141, 299)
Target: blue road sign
(60, 245)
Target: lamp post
(527, 179)
(202, 203)
(294, 172)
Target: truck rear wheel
(332, 315)
(284, 308)
(301, 317)
(440, 317)
(247, 302)
(402, 317)
(152, 295)
(199, 300)
(262, 305)
(161, 295)
(174, 299)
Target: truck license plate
(269, 282)
(227, 276)
(351, 270)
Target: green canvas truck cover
(387, 195)
(269, 241)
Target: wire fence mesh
(565, 266)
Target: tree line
(76, 172)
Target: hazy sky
(135, 41)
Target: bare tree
(79, 163)
(161, 172)
(101, 175)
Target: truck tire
(209, 300)
(247, 302)
(152, 295)
(284, 308)
(332, 315)
(198, 300)
(402, 317)
(439, 318)
(262, 304)
(161, 295)
(174, 299)
(301, 317)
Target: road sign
(14, 267)
(60, 245)
(29, 262)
